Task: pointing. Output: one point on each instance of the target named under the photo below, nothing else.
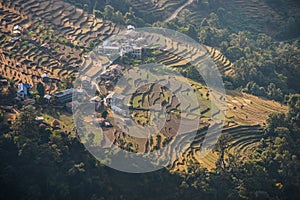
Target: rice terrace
(80, 76)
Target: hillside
(54, 39)
(62, 100)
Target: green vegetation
(263, 65)
(269, 172)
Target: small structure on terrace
(17, 30)
(23, 91)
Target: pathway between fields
(177, 11)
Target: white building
(130, 27)
(17, 30)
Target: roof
(23, 88)
(130, 27)
(111, 48)
(47, 96)
(17, 27)
(45, 75)
(39, 118)
(63, 93)
(17, 32)
(3, 80)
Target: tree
(221, 147)
(1, 116)
(104, 114)
(25, 123)
(108, 12)
(40, 89)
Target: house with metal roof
(23, 90)
(64, 96)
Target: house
(47, 97)
(67, 95)
(64, 96)
(39, 119)
(137, 52)
(17, 30)
(130, 27)
(3, 82)
(111, 49)
(131, 50)
(23, 90)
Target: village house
(17, 30)
(3, 82)
(23, 91)
(130, 27)
(67, 95)
(64, 96)
(131, 47)
(47, 97)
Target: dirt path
(177, 11)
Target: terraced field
(157, 8)
(243, 12)
(179, 55)
(54, 37)
(245, 117)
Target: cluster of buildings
(132, 45)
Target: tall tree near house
(221, 147)
(25, 124)
(40, 89)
